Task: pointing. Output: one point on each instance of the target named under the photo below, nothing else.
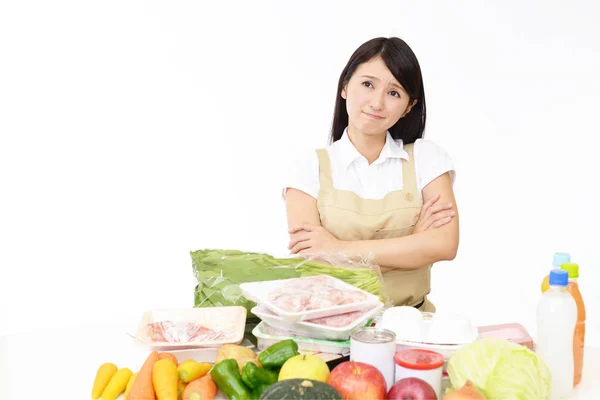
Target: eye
(394, 93)
(367, 84)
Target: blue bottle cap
(560, 259)
(559, 277)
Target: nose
(377, 101)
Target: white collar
(348, 153)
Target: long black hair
(403, 64)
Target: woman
(379, 188)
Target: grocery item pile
(321, 338)
(326, 336)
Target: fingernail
(452, 213)
(449, 204)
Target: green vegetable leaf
(500, 369)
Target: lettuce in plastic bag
(501, 370)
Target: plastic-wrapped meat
(353, 297)
(312, 293)
(173, 332)
(290, 301)
(338, 321)
(317, 303)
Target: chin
(372, 131)
(372, 128)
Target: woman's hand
(312, 239)
(434, 215)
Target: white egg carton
(316, 330)
(258, 292)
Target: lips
(373, 116)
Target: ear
(344, 94)
(409, 107)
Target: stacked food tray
(318, 307)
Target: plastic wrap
(308, 297)
(267, 336)
(193, 327)
(220, 272)
(337, 327)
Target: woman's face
(375, 100)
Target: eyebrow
(377, 79)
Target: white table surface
(62, 364)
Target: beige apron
(349, 217)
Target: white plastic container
(422, 364)
(314, 330)
(259, 292)
(412, 326)
(376, 347)
(556, 319)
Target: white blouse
(351, 171)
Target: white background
(134, 132)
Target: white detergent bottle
(556, 319)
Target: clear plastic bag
(220, 272)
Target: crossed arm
(435, 238)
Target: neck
(369, 146)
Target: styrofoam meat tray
(267, 335)
(189, 328)
(314, 330)
(204, 354)
(258, 292)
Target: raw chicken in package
(220, 273)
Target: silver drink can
(375, 346)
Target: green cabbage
(501, 370)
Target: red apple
(412, 389)
(358, 381)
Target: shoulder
(302, 172)
(431, 161)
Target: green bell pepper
(254, 376)
(226, 376)
(277, 354)
(257, 392)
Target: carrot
(130, 384)
(117, 384)
(165, 379)
(190, 371)
(103, 376)
(143, 388)
(180, 389)
(201, 389)
(170, 356)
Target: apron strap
(326, 181)
(409, 175)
